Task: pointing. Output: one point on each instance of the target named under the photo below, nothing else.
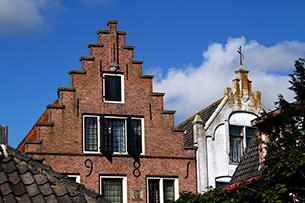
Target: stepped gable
(187, 125)
(24, 180)
(109, 54)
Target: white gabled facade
(220, 135)
(225, 132)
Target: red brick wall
(61, 135)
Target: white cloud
(23, 16)
(193, 88)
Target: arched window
(240, 134)
(240, 137)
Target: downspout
(200, 142)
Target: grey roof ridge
(6, 151)
(191, 118)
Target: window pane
(136, 134)
(239, 149)
(107, 135)
(112, 88)
(118, 133)
(153, 191)
(249, 134)
(235, 130)
(112, 189)
(91, 139)
(220, 184)
(169, 190)
(235, 148)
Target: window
(113, 134)
(160, 190)
(113, 188)
(113, 88)
(75, 178)
(222, 181)
(240, 137)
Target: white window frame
(124, 185)
(125, 133)
(243, 137)
(99, 133)
(77, 177)
(122, 88)
(161, 188)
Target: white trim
(216, 112)
(77, 177)
(98, 134)
(142, 133)
(125, 132)
(176, 187)
(122, 88)
(124, 185)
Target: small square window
(113, 188)
(113, 87)
(161, 190)
(75, 178)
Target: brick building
(109, 129)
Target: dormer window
(113, 88)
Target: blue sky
(190, 46)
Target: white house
(220, 132)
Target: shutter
(134, 137)
(107, 87)
(129, 136)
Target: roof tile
(59, 190)
(39, 198)
(24, 198)
(46, 189)
(40, 179)
(23, 168)
(5, 189)
(51, 199)
(8, 165)
(14, 178)
(3, 177)
(25, 180)
(9, 198)
(187, 125)
(32, 190)
(19, 189)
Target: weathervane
(241, 56)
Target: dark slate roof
(24, 180)
(249, 165)
(187, 125)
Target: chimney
(3, 134)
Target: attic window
(113, 87)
